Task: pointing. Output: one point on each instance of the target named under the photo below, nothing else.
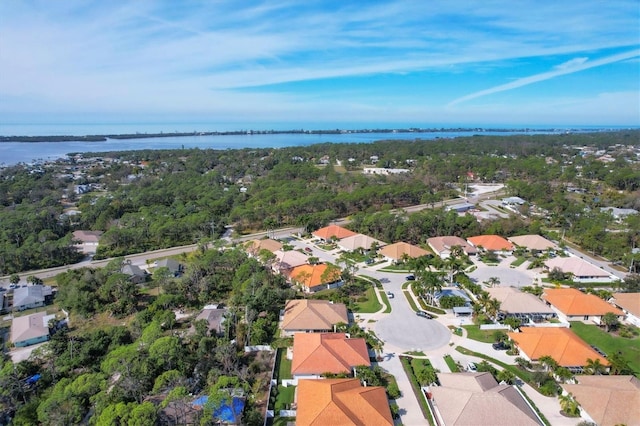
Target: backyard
(629, 349)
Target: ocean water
(28, 152)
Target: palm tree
(483, 299)
(506, 376)
(430, 282)
(563, 374)
(492, 308)
(548, 363)
(569, 405)
(594, 367)
(493, 282)
(609, 320)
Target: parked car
(308, 249)
(423, 314)
(369, 261)
(472, 367)
(390, 295)
(500, 346)
(13, 286)
(410, 277)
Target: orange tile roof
(571, 301)
(397, 250)
(341, 402)
(312, 275)
(317, 353)
(303, 314)
(491, 242)
(562, 344)
(333, 231)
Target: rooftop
(571, 301)
(630, 302)
(304, 314)
(491, 242)
(317, 353)
(514, 301)
(333, 231)
(576, 266)
(397, 250)
(532, 242)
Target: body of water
(28, 152)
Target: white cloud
(569, 67)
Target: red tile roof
(318, 353)
(341, 402)
(313, 275)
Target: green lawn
(519, 261)
(369, 306)
(524, 375)
(284, 366)
(451, 364)
(285, 397)
(474, 333)
(385, 299)
(410, 300)
(594, 335)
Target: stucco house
(396, 252)
(562, 344)
(580, 270)
(443, 246)
(491, 243)
(341, 402)
(359, 242)
(311, 316)
(521, 305)
(314, 354)
(477, 399)
(333, 232)
(629, 303)
(533, 242)
(87, 241)
(314, 278)
(571, 304)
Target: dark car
(500, 346)
(423, 314)
(308, 250)
(410, 277)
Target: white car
(390, 295)
(472, 367)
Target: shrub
(393, 391)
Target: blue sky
(331, 63)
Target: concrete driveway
(509, 277)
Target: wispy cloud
(569, 67)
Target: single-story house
(30, 329)
(287, 260)
(491, 243)
(214, 316)
(562, 344)
(451, 291)
(533, 242)
(478, 399)
(521, 305)
(254, 247)
(359, 242)
(396, 252)
(607, 400)
(580, 269)
(332, 232)
(311, 316)
(619, 214)
(135, 273)
(341, 402)
(629, 303)
(31, 296)
(314, 354)
(443, 246)
(573, 305)
(87, 241)
(173, 265)
(314, 278)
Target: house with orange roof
(443, 246)
(629, 303)
(333, 232)
(311, 316)
(573, 305)
(491, 243)
(561, 344)
(397, 251)
(314, 354)
(607, 400)
(314, 278)
(341, 402)
(580, 270)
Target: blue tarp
(33, 379)
(228, 412)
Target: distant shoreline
(102, 138)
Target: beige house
(533, 242)
(516, 303)
(87, 241)
(477, 399)
(443, 246)
(630, 305)
(311, 316)
(359, 242)
(607, 400)
(397, 251)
